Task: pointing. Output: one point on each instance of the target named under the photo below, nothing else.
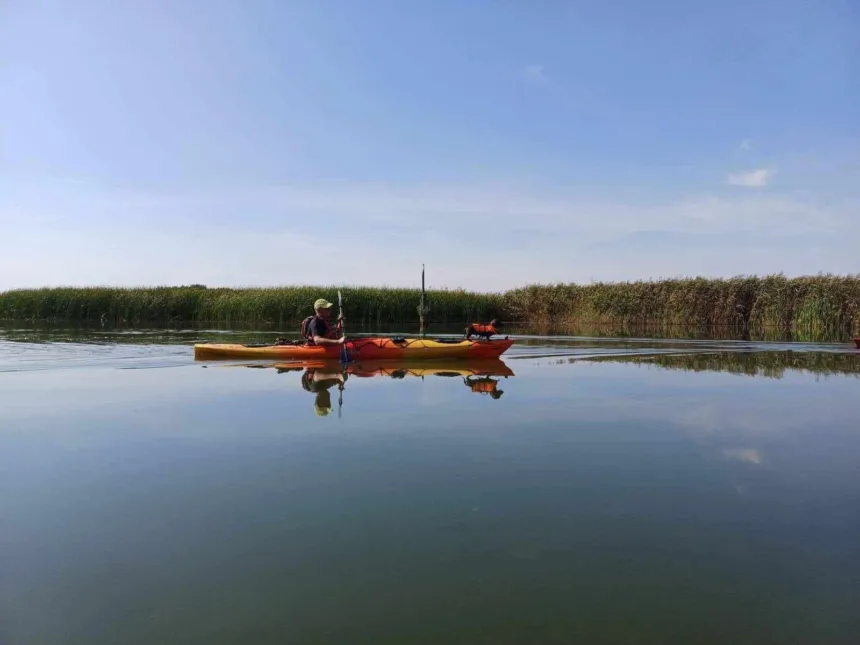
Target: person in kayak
(316, 329)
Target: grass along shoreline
(814, 303)
(265, 306)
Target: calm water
(584, 490)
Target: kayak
(361, 349)
(857, 342)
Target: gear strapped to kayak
(482, 330)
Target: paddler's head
(322, 307)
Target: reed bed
(265, 306)
(822, 305)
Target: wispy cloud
(747, 455)
(746, 144)
(535, 73)
(758, 178)
(538, 234)
(569, 94)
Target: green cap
(322, 303)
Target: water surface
(586, 490)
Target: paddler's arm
(320, 340)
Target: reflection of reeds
(822, 306)
(770, 364)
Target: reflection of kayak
(362, 349)
(399, 369)
(320, 377)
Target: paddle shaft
(344, 354)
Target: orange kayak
(361, 349)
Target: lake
(589, 490)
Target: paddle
(344, 354)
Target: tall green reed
(818, 304)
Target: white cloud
(746, 144)
(753, 179)
(538, 210)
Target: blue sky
(502, 142)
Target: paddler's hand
(342, 340)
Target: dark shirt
(318, 327)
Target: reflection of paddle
(339, 399)
(344, 354)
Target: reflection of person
(484, 385)
(322, 403)
(320, 381)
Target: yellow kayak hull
(361, 349)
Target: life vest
(306, 329)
